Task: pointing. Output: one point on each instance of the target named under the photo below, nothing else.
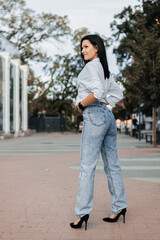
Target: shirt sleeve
(96, 85)
(114, 94)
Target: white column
(24, 76)
(6, 91)
(16, 108)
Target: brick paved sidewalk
(38, 194)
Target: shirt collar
(96, 60)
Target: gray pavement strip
(34, 153)
(141, 173)
(150, 158)
(157, 180)
(77, 167)
(38, 149)
(140, 164)
(140, 168)
(135, 167)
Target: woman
(96, 89)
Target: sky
(96, 15)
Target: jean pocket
(97, 117)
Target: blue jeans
(99, 134)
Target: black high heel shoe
(122, 212)
(79, 224)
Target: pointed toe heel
(79, 224)
(122, 212)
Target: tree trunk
(154, 126)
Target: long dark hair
(96, 40)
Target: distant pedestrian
(96, 89)
(134, 127)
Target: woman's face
(88, 50)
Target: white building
(13, 91)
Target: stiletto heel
(86, 225)
(124, 217)
(79, 224)
(122, 212)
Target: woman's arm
(95, 85)
(88, 100)
(115, 93)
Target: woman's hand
(85, 102)
(107, 103)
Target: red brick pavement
(37, 200)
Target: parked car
(80, 127)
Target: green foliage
(66, 68)
(138, 53)
(120, 112)
(28, 30)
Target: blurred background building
(13, 91)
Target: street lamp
(139, 112)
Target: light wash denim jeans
(99, 134)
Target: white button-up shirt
(91, 80)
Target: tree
(67, 67)
(138, 53)
(28, 30)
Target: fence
(47, 124)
